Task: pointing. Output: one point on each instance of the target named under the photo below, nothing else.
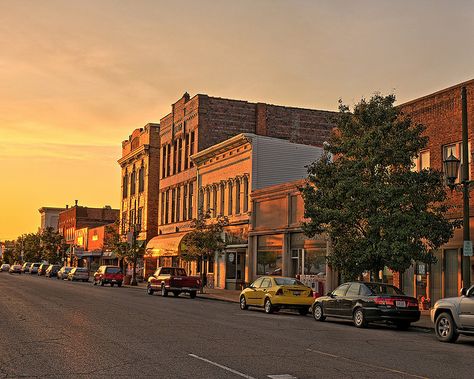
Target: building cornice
(238, 140)
(134, 154)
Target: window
(163, 162)
(230, 197)
(168, 160)
(180, 152)
(353, 290)
(200, 200)
(178, 201)
(125, 185)
(185, 202)
(221, 207)
(341, 290)
(131, 217)
(141, 179)
(422, 161)
(246, 194)
(191, 148)
(139, 218)
(175, 152)
(237, 196)
(133, 181)
(269, 262)
(257, 283)
(162, 208)
(190, 204)
(173, 204)
(456, 150)
(214, 201)
(266, 283)
(167, 206)
(208, 199)
(186, 151)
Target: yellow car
(276, 292)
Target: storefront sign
(467, 250)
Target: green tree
(52, 245)
(204, 239)
(377, 211)
(9, 255)
(29, 246)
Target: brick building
(200, 122)
(140, 184)
(79, 217)
(441, 113)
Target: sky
(77, 76)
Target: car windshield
(67, 269)
(113, 270)
(36, 265)
(81, 269)
(287, 282)
(383, 289)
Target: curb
(210, 297)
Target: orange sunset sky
(76, 77)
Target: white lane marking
(283, 376)
(368, 364)
(222, 366)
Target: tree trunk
(134, 272)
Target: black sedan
(366, 302)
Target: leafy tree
(29, 245)
(204, 239)
(52, 245)
(377, 211)
(9, 255)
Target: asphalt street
(53, 328)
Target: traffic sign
(467, 249)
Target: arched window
(246, 194)
(208, 199)
(141, 179)
(237, 196)
(133, 180)
(222, 202)
(125, 185)
(214, 201)
(230, 203)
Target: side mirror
(464, 291)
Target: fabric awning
(165, 245)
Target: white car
(5, 267)
(15, 269)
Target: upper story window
(141, 179)
(180, 152)
(191, 200)
(133, 181)
(230, 202)
(422, 161)
(186, 151)
(163, 162)
(191, 148)
(175, 161)
(456, 150)
(125, 185)
(237, 196)
(214, 201)
(246, 194)
(168, 160)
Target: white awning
(165, 245)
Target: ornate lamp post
(451, 169)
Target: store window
(269, 263)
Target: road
(53, 328)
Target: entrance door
(451, 273)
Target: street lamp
(451, 169)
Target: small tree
(204, 240)
(28, 246)
(377, 211)
(52, 245)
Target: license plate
(296, 293)
(113, 280)
(401, 304)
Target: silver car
(453, 316)
(64, 272)
(5, 267)
(78, 273)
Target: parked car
(108, 275)
(453, 316)
(42, 269)
(15, 269)
(26, 267)
(52, 271)
(34, 268)
(63, 272)
(273, 293)
(173, 279)
(366, 302)
(5, 267)
(78, 273)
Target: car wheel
(359, 318)
(101, 283)
(303, 311)
(175, 293)
(243, 303)
(164, 291)
(112, 284)
(192, 294)
(445, 328)
(94, 283)
(268, 306)
(402, 325)
(119, 284)
(318, 313)
(149, 290)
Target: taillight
(412, 303)
(380, 301)
(279, 292)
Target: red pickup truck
(173, 279)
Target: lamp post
(451, 168)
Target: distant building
(78, 217)
(49, 217)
